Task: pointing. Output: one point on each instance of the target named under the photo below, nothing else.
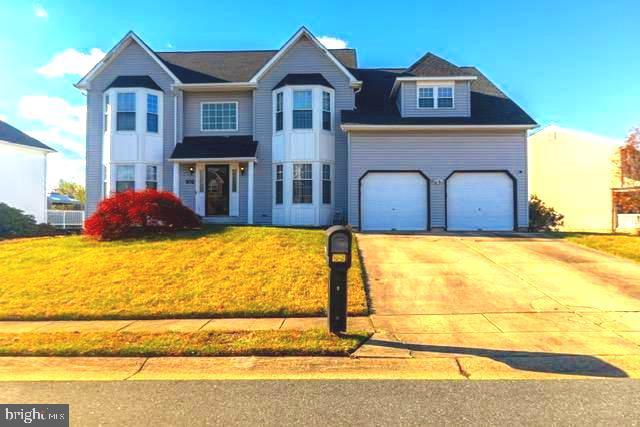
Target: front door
(217, 190)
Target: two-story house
(303, 136)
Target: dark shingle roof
(303, 79)
(375, 106)
(134, 81)
(10, 134)
(214, 147)
(433, 66)
(230, 66)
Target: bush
(133, 213)
(543, 217)
(14, 222)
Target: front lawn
(215, 272)
(623, 245)
(243, 343)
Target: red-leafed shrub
(133, 213)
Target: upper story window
(152, 113)
(126, 118)
(302, 109)
(326, 110)
(219, 116)
(279, 111)
(435, 97)
(106, 113)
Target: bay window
(126, 118)
(326, 184)
(152, 113)
(302, 183)
(152, 177)
(279, 111)
(326, 110)
(279, 185)
(302, 109)
(125, 178)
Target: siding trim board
(514, 187)
(394, 171)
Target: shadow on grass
(533, 361)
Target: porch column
(250, 195)
(176, 179)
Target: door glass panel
(217, 190)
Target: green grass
(244, 343)
(623, 245)
(215, 272)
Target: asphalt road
(177, 403)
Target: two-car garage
(398, 200)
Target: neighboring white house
(574, 172)
(23, 171)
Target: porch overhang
(196, 149)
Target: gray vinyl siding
(192, 114)
(188, 193)
(437, 155)
(303, 57)
(461, 102)
(133, 60)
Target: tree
(543, 217)
(627, 198)
(72, 189)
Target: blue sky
(573, 63)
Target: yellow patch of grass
(216, 272)
(242, 343)
(624, 245)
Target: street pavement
(321, 403)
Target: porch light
(242, 168)
(192, 169)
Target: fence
(65, 219)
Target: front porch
(214, 176)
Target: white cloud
(54, 113)
(60, 167)
(54, 138)
(332, 42)
(71, 61)
(40, 11)
(3, 117)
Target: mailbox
(338, 248)
(338, 253)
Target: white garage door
(394, 201)
(480, 201)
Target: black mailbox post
(338, 253)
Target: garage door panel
(394, 201)
(480, 201)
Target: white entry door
(480, 201)
(394, 201)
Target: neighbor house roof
(215, 147)
(134, 81)
(375, 104)
(14, 136)
(303, 79)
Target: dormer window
(302, 109)
(126, 119)
(435, 97)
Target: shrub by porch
(214, 272)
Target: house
(23, 172)
(575, 172)
(303, 136)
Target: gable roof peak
(432, 65)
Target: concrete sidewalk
(180, 325)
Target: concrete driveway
(473, 295)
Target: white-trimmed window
(219, 116)
(152, 177)
(106, 113)
(125, 178)
(302, 109)
(126, 119)
(435, 97)
(326, 110)
(152, 113)
(326, 184)
(302, 183)
(445, 97)
(279, 111)
(279, 185)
